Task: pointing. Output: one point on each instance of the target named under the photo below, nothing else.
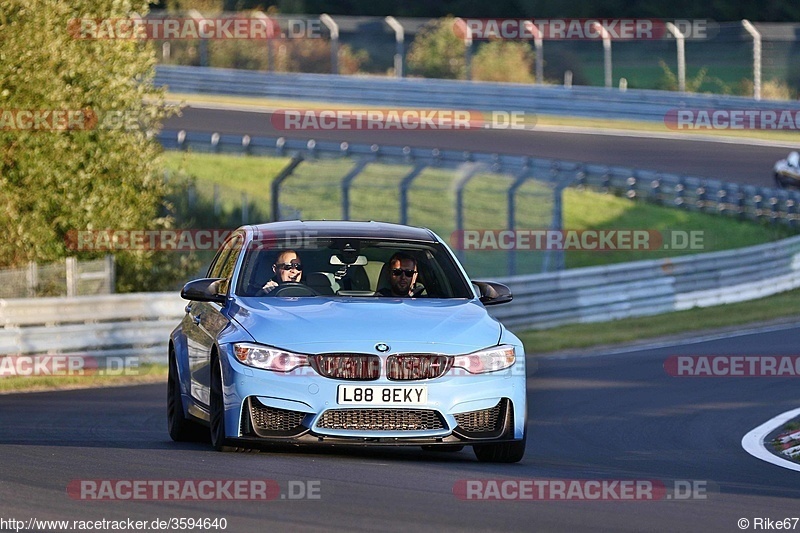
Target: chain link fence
(67, 278)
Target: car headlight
(487, 360)
(268, 358)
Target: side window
(225, 261)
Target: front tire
(217, 412)
(502, 452)
(181, 429)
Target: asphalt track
(611, 416)
(741, 163)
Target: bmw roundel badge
(382, 347)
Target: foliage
(770, 89)
(437, 52)
(694, 84)
(102, 176)
(509, 61)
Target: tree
(103, 171)
(437, 52)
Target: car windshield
(342, 267)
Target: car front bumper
(301, 407)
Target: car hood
(319, 325)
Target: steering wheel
(290, 288)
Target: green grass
(575, 336)
(145, 373)
(314, 192)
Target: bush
(437, 52)
(507, 61)
(700, 82)
(770, 90)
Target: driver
(287, 269)
(402, 276)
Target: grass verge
(145, 373)
(314, 192)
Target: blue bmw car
(336, 355)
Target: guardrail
(597, 294)
(684, 192)
(579, 101)
(139, 324)
(122, 325)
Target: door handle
(197, 319)
(188, 308)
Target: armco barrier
(139, 324)
(124, 325)
(579, 101)
(597, 294)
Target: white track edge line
(753, 441)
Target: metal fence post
(469, 170)
(405, 185)
(679, 41)
(521, 178)
(32, 279)
(202, 46)
(606, 54)
(72, 276)
(756, 57)
(399, 36)
(273, 31)
(538, 45)
(111, 274)
(347, 181)
(334, 29)
(276, 185)
(467, 31)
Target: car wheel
(443, 447)
(181, 429)
(502, 452)
(217, 412)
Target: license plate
(381, 395)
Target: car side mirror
(204, 290)
(493, 293)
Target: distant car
(787, 171)
(331, 360)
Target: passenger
(402, 276)
(287, 269)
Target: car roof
(343, 228)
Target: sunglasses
(407, 271)
(290, 266)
